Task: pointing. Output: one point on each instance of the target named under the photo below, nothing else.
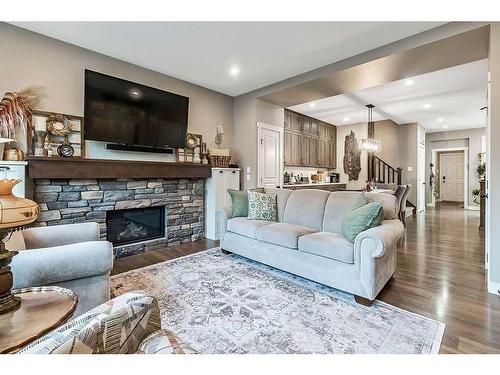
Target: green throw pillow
(361, 219)
(239, 201)
(262, 206)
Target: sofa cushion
(361, 219)
(329, 245)
(245, 227)
(338, 205)
(306, 207)
(282, 196)
(389, 202)
(283, 234)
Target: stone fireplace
(145, 214)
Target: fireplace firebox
(135, 225)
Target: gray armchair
(70, 256)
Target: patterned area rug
(227, 304)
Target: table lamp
(15, 214)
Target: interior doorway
(452, 181)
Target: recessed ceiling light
(234, 71)
(312, 104)
(346, 119)
(409, 82)
(445, 126)
(135, 93)
(440, 119)
(427, 105)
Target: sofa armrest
(37, 267)
(224, 215)
(377, 240)
(58, 235)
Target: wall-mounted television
(123, 112)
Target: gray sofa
(307, 240)
(70, 256)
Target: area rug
(228, 304)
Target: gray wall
(400, 149)
(247, 111)
(30, 59)
(459, 138)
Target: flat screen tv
(124, 112)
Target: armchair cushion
(115, 327)
(38, 267)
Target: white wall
(33, 60)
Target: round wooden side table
(42, 310)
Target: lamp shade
(15, 211)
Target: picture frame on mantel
(42, 142)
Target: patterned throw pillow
(362, 218)
(262, 206)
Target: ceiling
(448, 99)
(205, 52)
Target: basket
(218, 161)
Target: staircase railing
(382, 172)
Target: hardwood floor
(440, 275)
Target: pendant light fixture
(370, 144)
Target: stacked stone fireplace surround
(77, 201)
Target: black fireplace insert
(135, 225)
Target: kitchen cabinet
(309, 142)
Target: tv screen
(123, 112)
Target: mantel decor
(55, 134)
(15, 214)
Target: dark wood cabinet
(309, 142)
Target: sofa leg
(363, 301)
(225, 251)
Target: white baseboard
(493, 288)
(473, 208)
(431, 205)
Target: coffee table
(42, 310)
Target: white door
(270, 154)
(421, 178)
(452, 176)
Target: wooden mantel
(82, 168)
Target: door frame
(281, 131)
(423, 185)
(434, 153)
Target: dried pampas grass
(16, 110)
